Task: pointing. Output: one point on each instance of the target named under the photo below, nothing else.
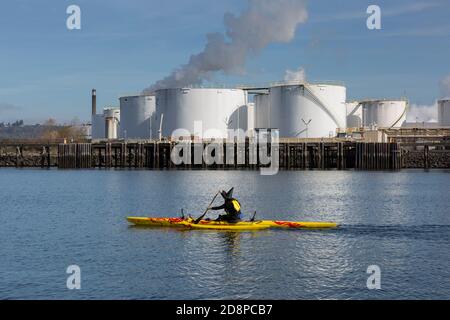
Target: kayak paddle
(207, 209)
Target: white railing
(268, 85)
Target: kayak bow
(299, 225)
(156, 222)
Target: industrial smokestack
(94, 102)
(262, 23)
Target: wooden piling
(292, 156)
(426, 157)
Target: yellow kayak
(221, 225)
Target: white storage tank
(262, 111)
(250, 117)
(444, 113)
(112, 122)
(218, 110)
(135, 114)
(384, 113)
(354, 114)
(307, 110)
(98, 126)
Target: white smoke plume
(262, 23)
(445, 87)
(422, 113)
(295, 75)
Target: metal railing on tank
(268, 85)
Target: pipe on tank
(316, 99)
(401, 116)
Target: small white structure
(112, 123)
(106, 125)
(444, 113)
(384, 113)
(135, 117)
(375, 136)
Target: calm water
(53, 219)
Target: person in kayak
(231, 206)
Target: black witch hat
(227, 195)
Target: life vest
(236, 205)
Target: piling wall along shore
(28, 155)
(290, 156)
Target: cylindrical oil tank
(384, 113)
(214, 110)
(98, 126)
(262, 111)
(308, 110)
(135, 116)
(112, 122)
(444, 113)
(250, 117)
(354, 114)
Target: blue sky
(125, 46)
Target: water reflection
(397, 220)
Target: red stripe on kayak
(288, 224)
(170, 220)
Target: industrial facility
(297, 109)
(444, 113)
(106, 124)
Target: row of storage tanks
(297, 110)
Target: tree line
(18, 123)
(49, 130)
